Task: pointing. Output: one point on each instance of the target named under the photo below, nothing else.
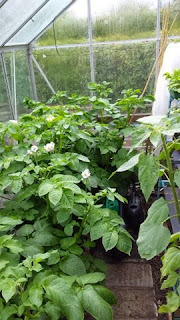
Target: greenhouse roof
(23, 21)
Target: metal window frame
(31, 72)
(7, 84)
(91, 44)
(25, 22)
(42, 31)
(43, 74)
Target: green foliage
(174, 81)
(55, 212)
(148, 173)
(154, 236)
(153, 229)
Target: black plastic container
(133, 212)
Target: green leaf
(53, 310)
(85, 136)
(83, 158)
(100, 265)
(94, 277)
(63, 215)
(14, 246)
(3, 263)
(45, 238)
(172, 129)
(172, 305)
(8, 223)
(67, 199)
(55, 196)
(148, 173)
(8, 311)
(139, 136)
(120, 198)
(25, 230)
(75, 249)
(54, 257)
(65, 178)
(171, 280)
(129, 164)
(8, 287)
(28, 179)
(21, 309)
(110, 240)
(95, 305)
(73, 187)
(45, 187)
(61, 293)
(26, 193)
(4, 239)
(36, 295)
(72, 265)
(175, 236)
(68, 229)
(106, 294)
(66, 243)
(97, 231)
(155, 138)
(171, 261)
(151, 120)
(153, 236)
(177, 178)
(16, 185)
(124, 243)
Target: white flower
(49, 147)
(50, 118)
(86, 174)
(44, 56)
(13, 121)
(29, 152)
(34, 148)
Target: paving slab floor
(132, 285)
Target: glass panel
(70, 27)
(123, 19)
(69, 70)
(5, 111)
(39, 22)
(23, 84)
(13, 14)
(174, 16)
(125, 66)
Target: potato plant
(55, 164)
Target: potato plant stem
(171, 176)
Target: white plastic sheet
(171, 61)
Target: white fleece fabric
(171, 61)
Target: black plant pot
(133, 214)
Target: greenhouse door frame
(7, 84)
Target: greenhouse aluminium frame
(30, 23)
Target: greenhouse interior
(90, 159)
